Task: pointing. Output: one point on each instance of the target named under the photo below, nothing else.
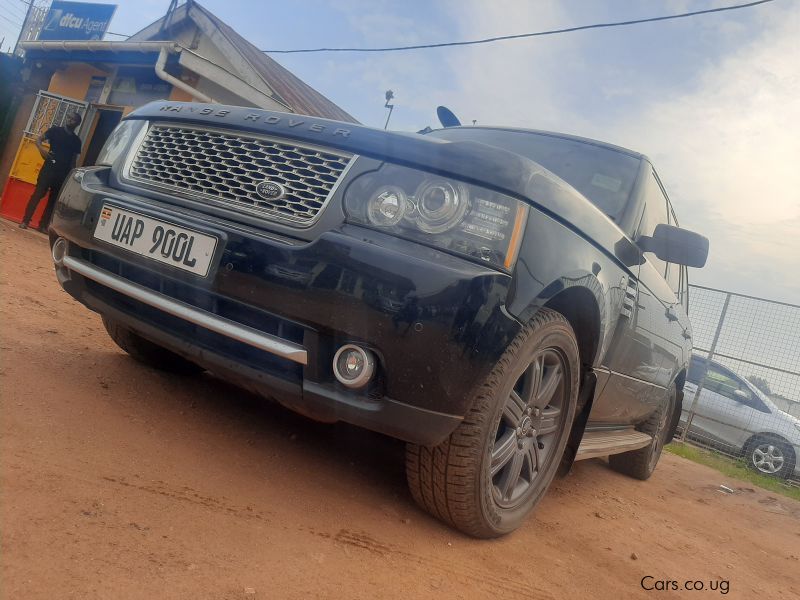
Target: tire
(497, 465)
(770, 455)
(148, 353)
(641, 463)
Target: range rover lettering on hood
(291, 122)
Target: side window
(674, 279)
(727, 385)
(697, 370)
(655, 212)
(674, 272)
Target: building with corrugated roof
(189, 55)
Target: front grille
(227, 167)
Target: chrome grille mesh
(228, 166)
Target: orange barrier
(15, 198)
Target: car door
(660, 311)
(724, 413)
(651, 340)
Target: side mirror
(741, 396)
(675, 245)
(628, 252)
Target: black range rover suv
(505, 301)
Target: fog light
(60, 248)
(353, 366)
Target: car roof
(565, 136)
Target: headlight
(446, 213)
(117, 142)
(387, 206)
(441, 204)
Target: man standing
(65, 147)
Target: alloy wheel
(527, 433)
(768, 458)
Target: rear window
(603, 175)
(697, 370)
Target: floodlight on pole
(389, 96)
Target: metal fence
(51, 110)
(742, 394)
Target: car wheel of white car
(770, 456)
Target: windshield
(698, 370)
(761, 395)
(605, 176)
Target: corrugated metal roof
(291, 90)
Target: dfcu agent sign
(76, 21)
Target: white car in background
(734, 415)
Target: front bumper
(436, 323)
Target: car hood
(472, 162)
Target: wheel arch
(679, 382)
(767, 435)
(770, 435)
(580, 308)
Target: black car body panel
(437, 322)
(439, 318)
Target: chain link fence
(742, 394)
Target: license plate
(169, 244)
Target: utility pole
(165, 25)
(24, 23)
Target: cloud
(713, 100)
(721, 130)
(729, 152)
(515, 82)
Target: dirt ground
(118, 481)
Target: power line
(526, 35)
(14, 9)
(15, 23)
(13, 5)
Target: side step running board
(613, 441)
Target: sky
(713, 100)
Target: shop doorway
(49, 110)
(103, 121)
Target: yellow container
(28, 162)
